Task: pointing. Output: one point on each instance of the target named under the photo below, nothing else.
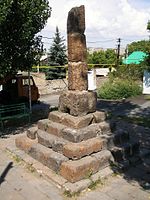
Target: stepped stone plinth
(76, 141)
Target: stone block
(104, 158)
(55, 128)
(105, 127)
(77, 76)
(77, 103)
(56, 116)
(42, 124)
(47, 156)
(109, 140)
(24, 143)
(77, 187)
(32, 133)
(99, 116)
(76, 170)
(76, 20)
(102, 174)
(77, 122)
(78, 135)
(77, 49)
(78, 150)
(51, 141)
(71, 121)
(90, 131)
(71, 134)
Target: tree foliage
(57, 52)
(148, 25)
(102, 57)
(20, 21)
(142, 45)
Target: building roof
(135, 58)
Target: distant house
(135, 58)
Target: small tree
(148, 25)
(57, 52)
(20, 21)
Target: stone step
(32, 132)
(116, 138)
(77, 122)
(76, 170)
(55, 128)
(84, 148)
(24, 143)
(91, 131)
(51, 141)
(51, 127)
(74, 135)
(125, 151)
(42, 124)
(71, 121)
(47, 156)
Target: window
(25, 81)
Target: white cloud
(104, 18)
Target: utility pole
(126, 52)
(118, 52)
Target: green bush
(132, 71)
(119, 89)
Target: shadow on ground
(5, 172)
(123, 113)
(16, 126)
(134, 119)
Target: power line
(103, 41)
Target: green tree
(142, 45)
(20, 21)
(110, 55)
(148, 25)
(102, 57)
(57, 52)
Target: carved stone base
(77, 103)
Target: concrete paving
(17, 182)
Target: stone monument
(75, 142)
(77, 101)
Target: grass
(95, 184)
(17, 159)
(70, 195)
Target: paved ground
(17, 182)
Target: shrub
(119, 89)
(128, 71)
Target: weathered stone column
(77, 101)
(77, 66)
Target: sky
(106, 20)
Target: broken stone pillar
(77, 66)
(77, 101)
(77, 142)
